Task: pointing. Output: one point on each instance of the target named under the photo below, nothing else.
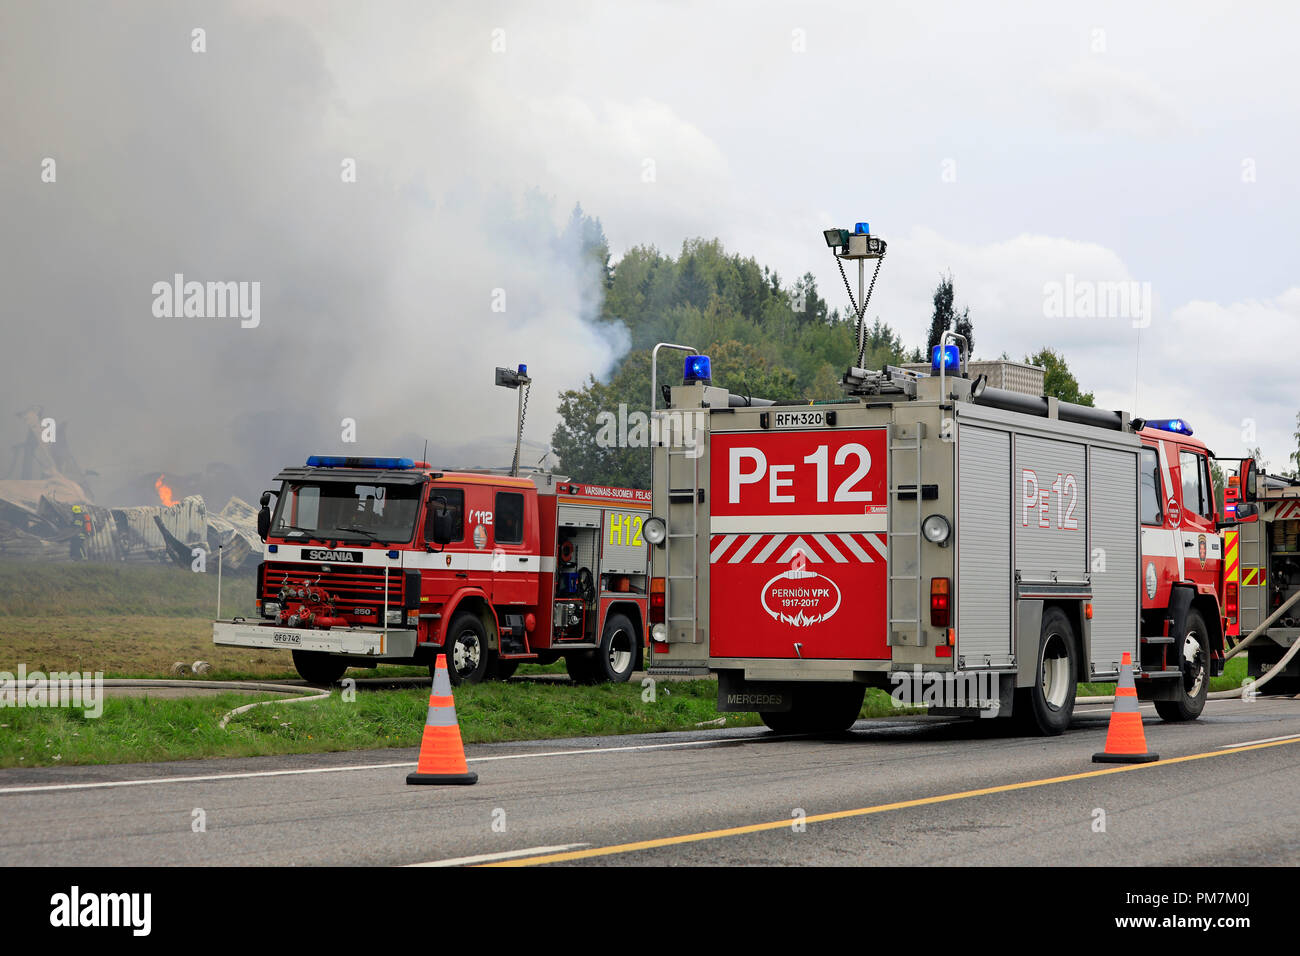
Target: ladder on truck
(900, 532)
(676, 531)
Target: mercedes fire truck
(927, 525)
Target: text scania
(336, 556)
(74, 909)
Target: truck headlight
(396, 617)
(655, 530)
(270, 609)
(936, 529)
(659, 634)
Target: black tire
(822, 711)
(317, 667)
(468, 654)
(581, 666)
(1045, 708)
(1194, 685)
(503, 670)
(616, 659)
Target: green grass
(135, 729)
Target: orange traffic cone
(1125, 740)
(442, 755)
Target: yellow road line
(866, 811)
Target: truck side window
(1210, 504)
(1195, 489)
(453, 500)
(509, 518)
(1152, 512)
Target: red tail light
(940, 602)
(1230, 600)
(656, 600)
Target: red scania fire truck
(386, 560)
(803, 552)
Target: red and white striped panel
(1287, 510)
(837, 548)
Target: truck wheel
(581, 666)
(1047, 706)
(503, 670)
(468, 654)
(616, 659)
(1194, 685)
(832, 710)
(317, 667)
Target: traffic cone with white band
(1125, 740)
(442, 754)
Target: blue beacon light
(1176, 425)
(338, 461)
(699, 368)
(951, 357)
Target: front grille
(351, 587)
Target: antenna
(425, 456)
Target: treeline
(767, 337)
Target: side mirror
(1249, 483)
(1247, 510)
(264, 516)
(439, 526)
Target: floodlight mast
(861, 245)
(515, 378)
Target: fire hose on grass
(1237, 649)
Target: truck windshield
(345, 511)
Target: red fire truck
(927, 529)
(930, 523)
(385, 560)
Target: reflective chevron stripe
(817, 548)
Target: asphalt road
(1223, 793)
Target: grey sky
(1013, 144)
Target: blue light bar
(337, 461)
(698, 369)
(523, 370)
(951, 357)
(1176, 425)
(862, 228)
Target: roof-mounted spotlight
(836, 238)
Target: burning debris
(47, 514)
(164, 492)
(60, 530)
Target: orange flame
(164, 493)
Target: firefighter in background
(82, 529)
